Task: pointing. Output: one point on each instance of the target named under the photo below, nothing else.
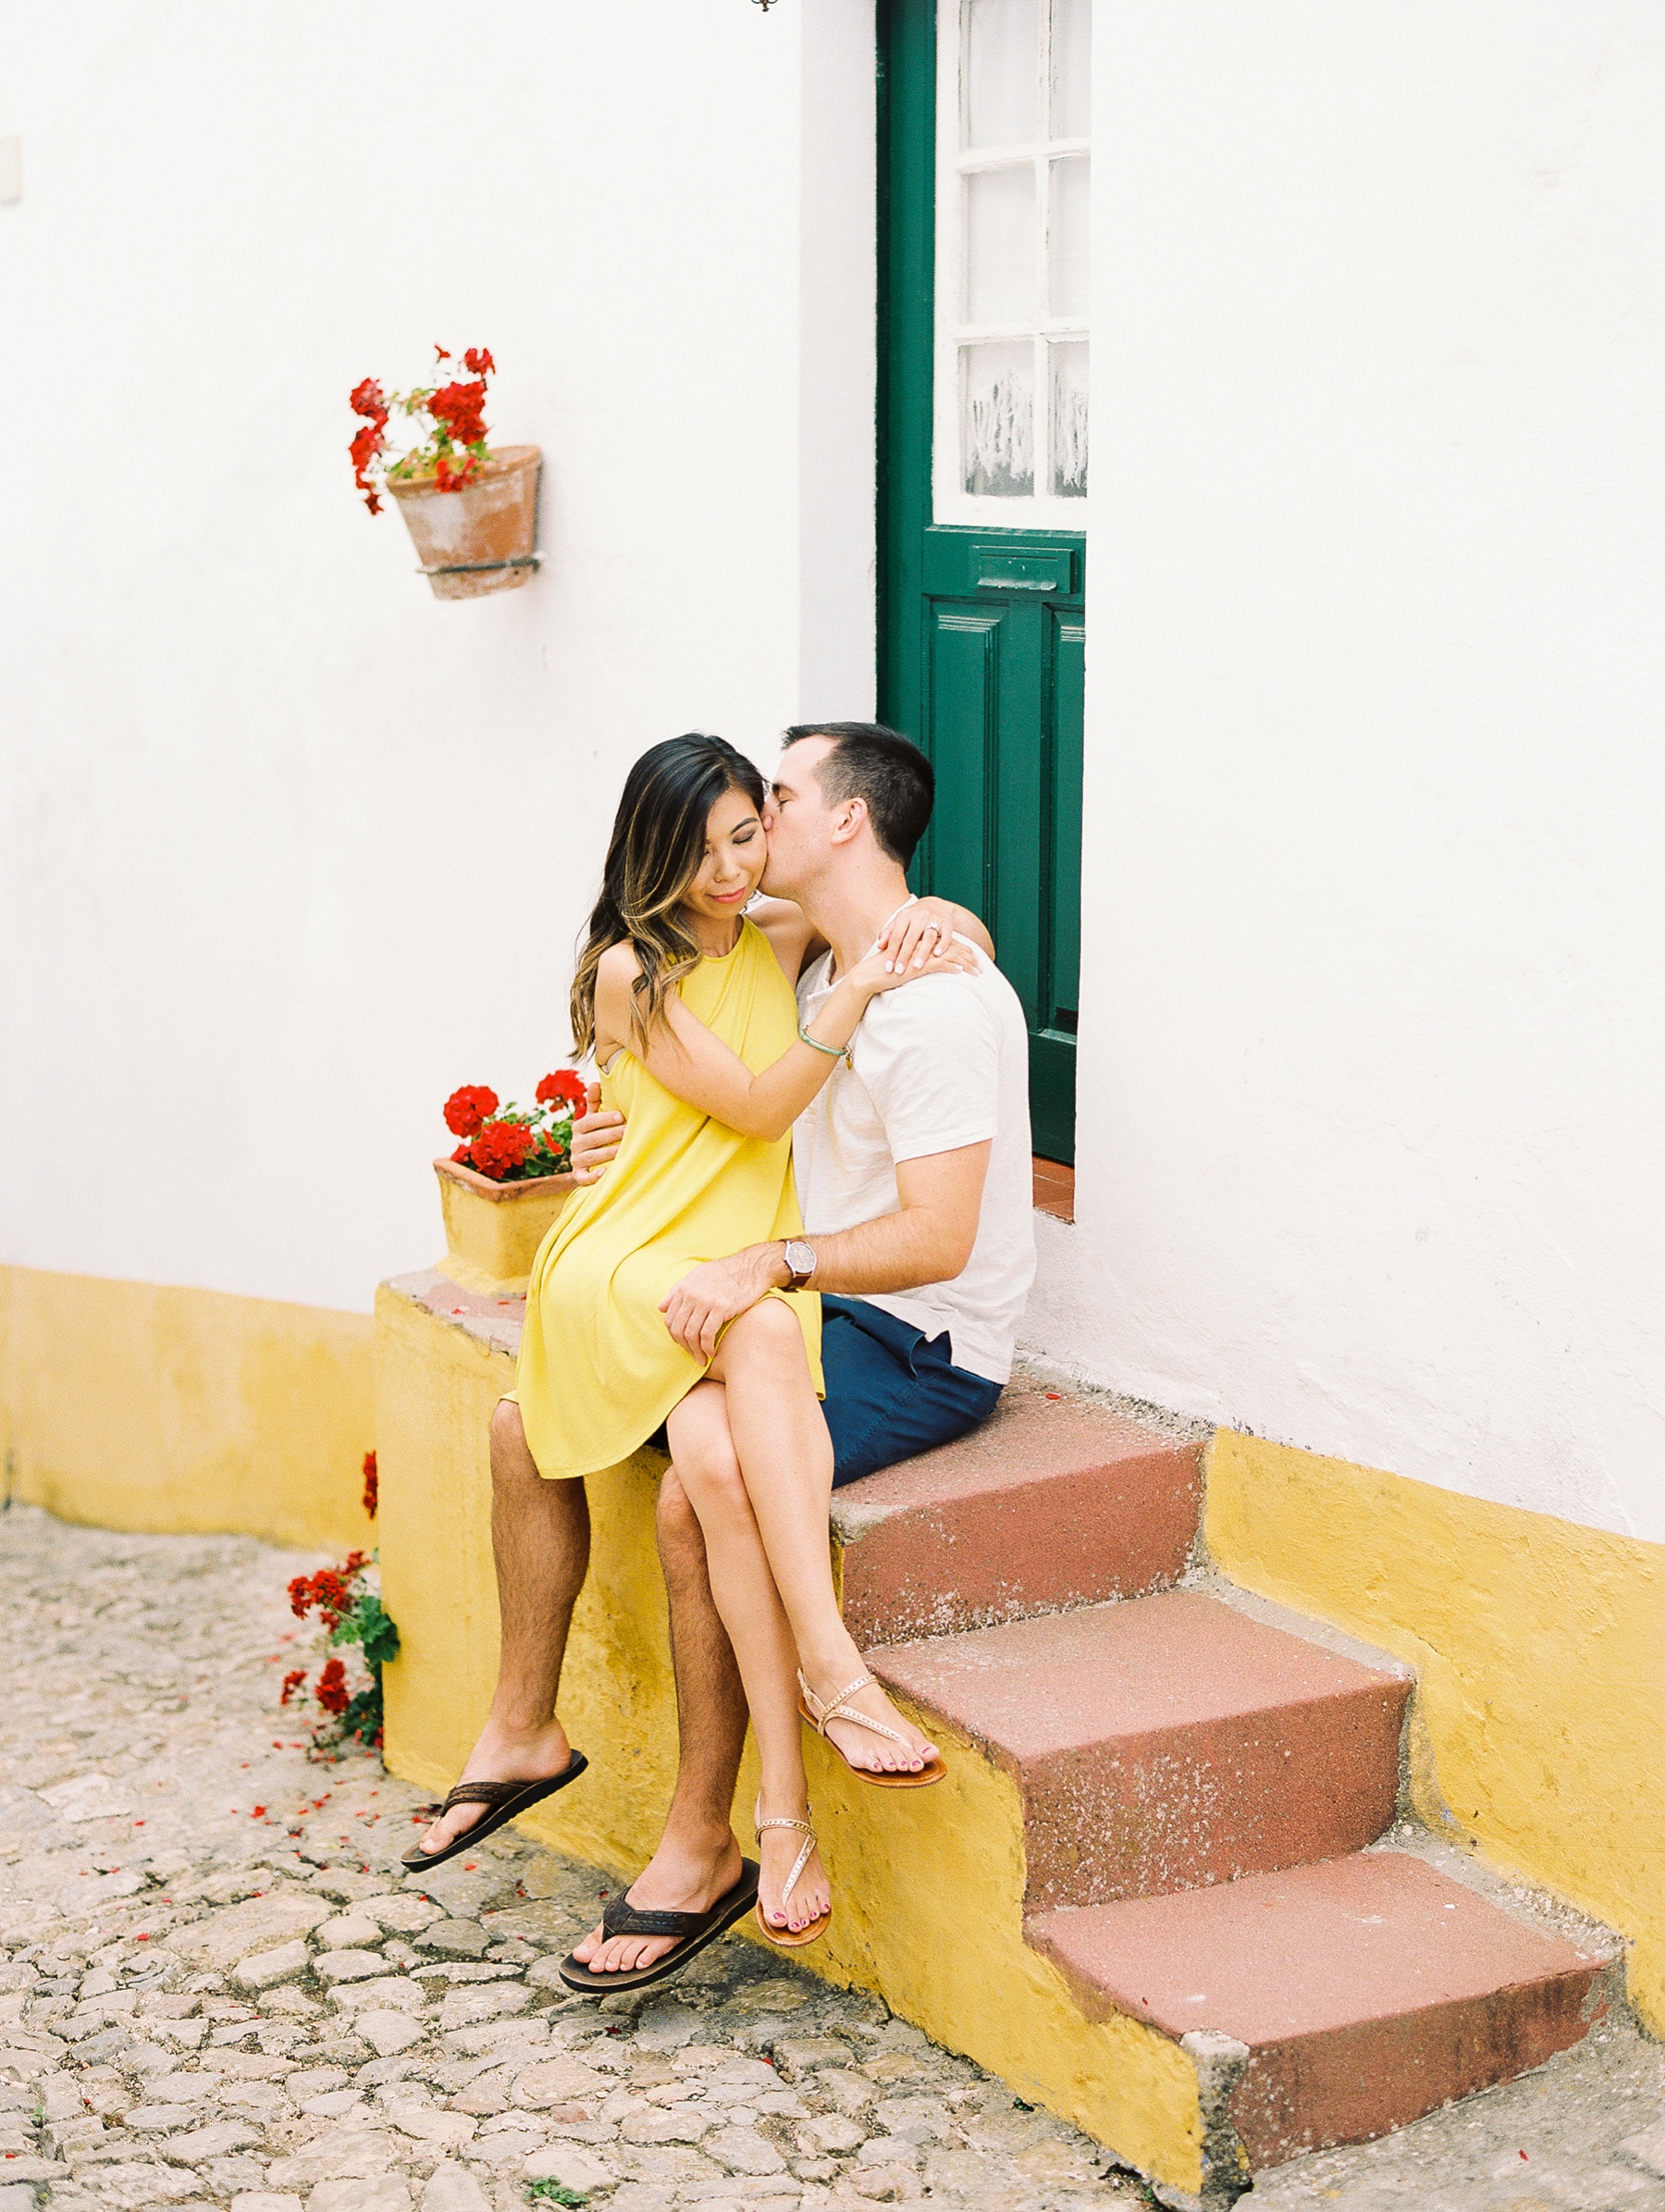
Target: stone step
(1367, 1991)
(1165, 1742)
(1053, 1502)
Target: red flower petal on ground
(564, 1088)
(499, 1148)
(465, 1109)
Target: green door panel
(982, 631)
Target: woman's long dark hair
(657, 849)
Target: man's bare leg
(540, 1546)
(698, 1857)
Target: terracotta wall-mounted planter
(494, 520)
(492, 1230)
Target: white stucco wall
(1370, 1030)
(1371, 1036)
(291, 848)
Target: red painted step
(1369, 1990)
(1167, 1742)
(1053, 1502)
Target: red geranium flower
(460, 408)
(466, 1110)
(291, 1683)
(372, 1487)
(440, 353)
(331, 1692)
(447, 479)
(565, 1087)
(478, 361)
(499, 1148)
(369, 399)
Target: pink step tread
(1053, 1502)
(1167, 1742)
(1369, 1990)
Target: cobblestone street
(221, 1985)
(218, 1986)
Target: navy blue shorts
(890, 1391)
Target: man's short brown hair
(884, 769)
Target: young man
(914, 1178)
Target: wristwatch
(800, 1262)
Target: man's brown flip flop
(692, 1931)
(506, 1800)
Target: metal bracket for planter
(480, 568)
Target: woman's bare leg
(785, 1457)
(744, 1594)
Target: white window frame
(951, 502)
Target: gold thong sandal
(790, 1939)
(819, 1714)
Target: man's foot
(865, 1748)
(502, 1755)
(674, 1880)
(811, 1898)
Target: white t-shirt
(938, 1064)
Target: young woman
(688, 1005)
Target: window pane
(1000, 246)
(1002, 65)
(1069, 365)
(1068, 265)
(1071, 68)
(997, 418)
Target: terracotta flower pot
(492, 1230)
(495, 519)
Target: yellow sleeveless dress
(598, 1370)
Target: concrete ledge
(1053, 1502)
(1167, 1742)
(1366, 1990)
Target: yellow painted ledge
(141, 1405)
(928, 1884)
(1537, 1645)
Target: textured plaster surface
(140, 1405)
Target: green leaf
(378, 1632)
(555, 2192)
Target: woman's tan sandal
(504, 1802)
(818, 1714)
(790, 1939)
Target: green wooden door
(981, 630)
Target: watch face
(800, 1257)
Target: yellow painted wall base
(1537, 1646)
(928, 1884)
(139, 1405)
